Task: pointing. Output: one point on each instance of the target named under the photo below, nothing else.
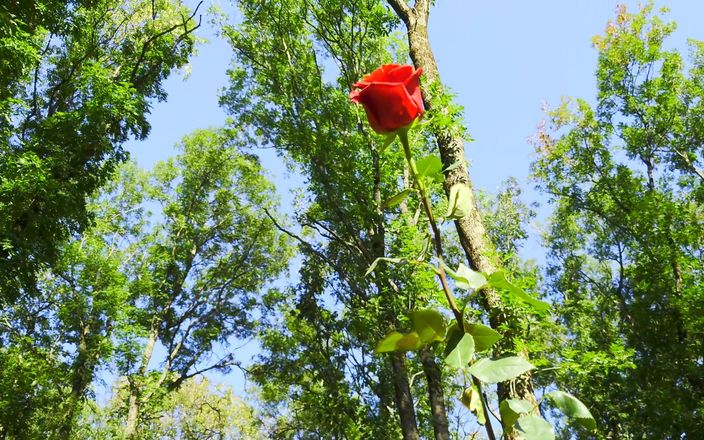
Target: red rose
(390, 96)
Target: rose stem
(440, 270)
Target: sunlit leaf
(409, 342)
(428, 166)
(376, 262)
(452, 337)
(532, 427)
(500, 370)
(466, 278)
(484, 337)
(388, 343)
(572, 408)
(461, 353)
(498, 280)
(470, 279)
(459, 202)
(397, 199)
(470, 399)
(429, 324)
(511, 409)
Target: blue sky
(503, 59)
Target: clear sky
(503, 59)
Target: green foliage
(532, 427)
(325, 324)
(466, 278)
(389, 343)
(459, 200)
(187, 278)
(572, 408)
(398, 198)
(204, 265)
(498, 280)
(471, 400)
(511, 410)
(430, 166)
(500, 370)
(626, 180)
(461, 353)
(429, 324)
(76, 81)
(198, 409)
(484, 337)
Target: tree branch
(402, 10)
(421, 8)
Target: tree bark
(136, 387)
(474, 239)
(404, 398)
(441, 427)
(402, 389)
(82, 371)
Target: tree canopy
(392, 298)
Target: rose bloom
(390, 96)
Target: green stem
(437, 238)
(440, 270)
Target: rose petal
(399, 74)
(354, 95)
(413, 87)
(380, 74)
(388, 106)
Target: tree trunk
(441, 427)
(402, 389)
(474, 239)
(82, 370)
(135, 385)
(404, 398)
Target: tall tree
(58, 339)
(626, 239)
(449, 135)
(199, 409)
(199, 271)
(283, 88)
(154, 297)
(76, 81)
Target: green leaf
(511, 409)
(484, 337)
(532, 427)
(519, 406)
(452, 337)
(429, 324)
(397, 199)
(470, 399)
(409, 342)
(388, 343)
(459, 203)
(376, 262)
(470, 279)
(465, 278)
(428, 166)
(500, 370)
(498, 280)
(388, 140)
(572, 408)
(454, 165)
(462, 353)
